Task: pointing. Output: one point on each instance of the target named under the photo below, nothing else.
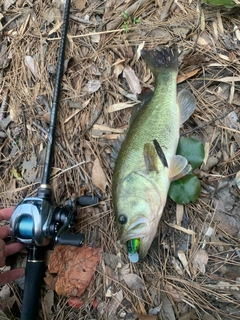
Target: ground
(192, 270)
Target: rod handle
(33, 279)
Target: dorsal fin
(116, 148)
(187, 104)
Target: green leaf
(227, 3)
(125, 15)
(16, 174)
(192, 150)
(185, 190)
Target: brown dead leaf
(115, 303)
(52, 13)
(176, 295)
(93, 86)
(46, 117)
(31, 64)
(29, 168)
(132, 80)
(48, 303)
(231, 120)
(75, 268)
(99, 179)
(118, 67)
(80, 4)
(184, 77)
(133, 281)
(50, 280)
(120, 106)
(167, 309)
(199, 261)
(226, 222)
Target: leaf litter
(176, 280)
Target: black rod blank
(55, 101)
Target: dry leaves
(132, 80)
(99, 179)
(74, 267)
(93, 86)
(115, 303)
(185, 76)
(176, 295)
(80, 4)
(31, 64)
(199, 261)
(133, 281)
(227, 222)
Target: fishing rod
(36, 222)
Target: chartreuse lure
(133, 249)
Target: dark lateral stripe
(160, 153)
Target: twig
(81, 20)
(88, 34)
(166, 9)
(10, 21)
(98, 115)
(60, 148)
(206, 124)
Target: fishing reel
(35, 221)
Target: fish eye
(122, 219)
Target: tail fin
(166, 58)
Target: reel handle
(76, 240)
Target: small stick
(206, 124)
(97, 117)
(10, 21)
(60, 148)
(80, 20)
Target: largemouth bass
(147, 161)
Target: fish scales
(158, 120)
(140, 179)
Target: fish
(145, 160)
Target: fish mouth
(143, 229)
(138, 228)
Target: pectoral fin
(179, 167)
(150, 157)
(187, 104)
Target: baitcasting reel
(35, 221)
